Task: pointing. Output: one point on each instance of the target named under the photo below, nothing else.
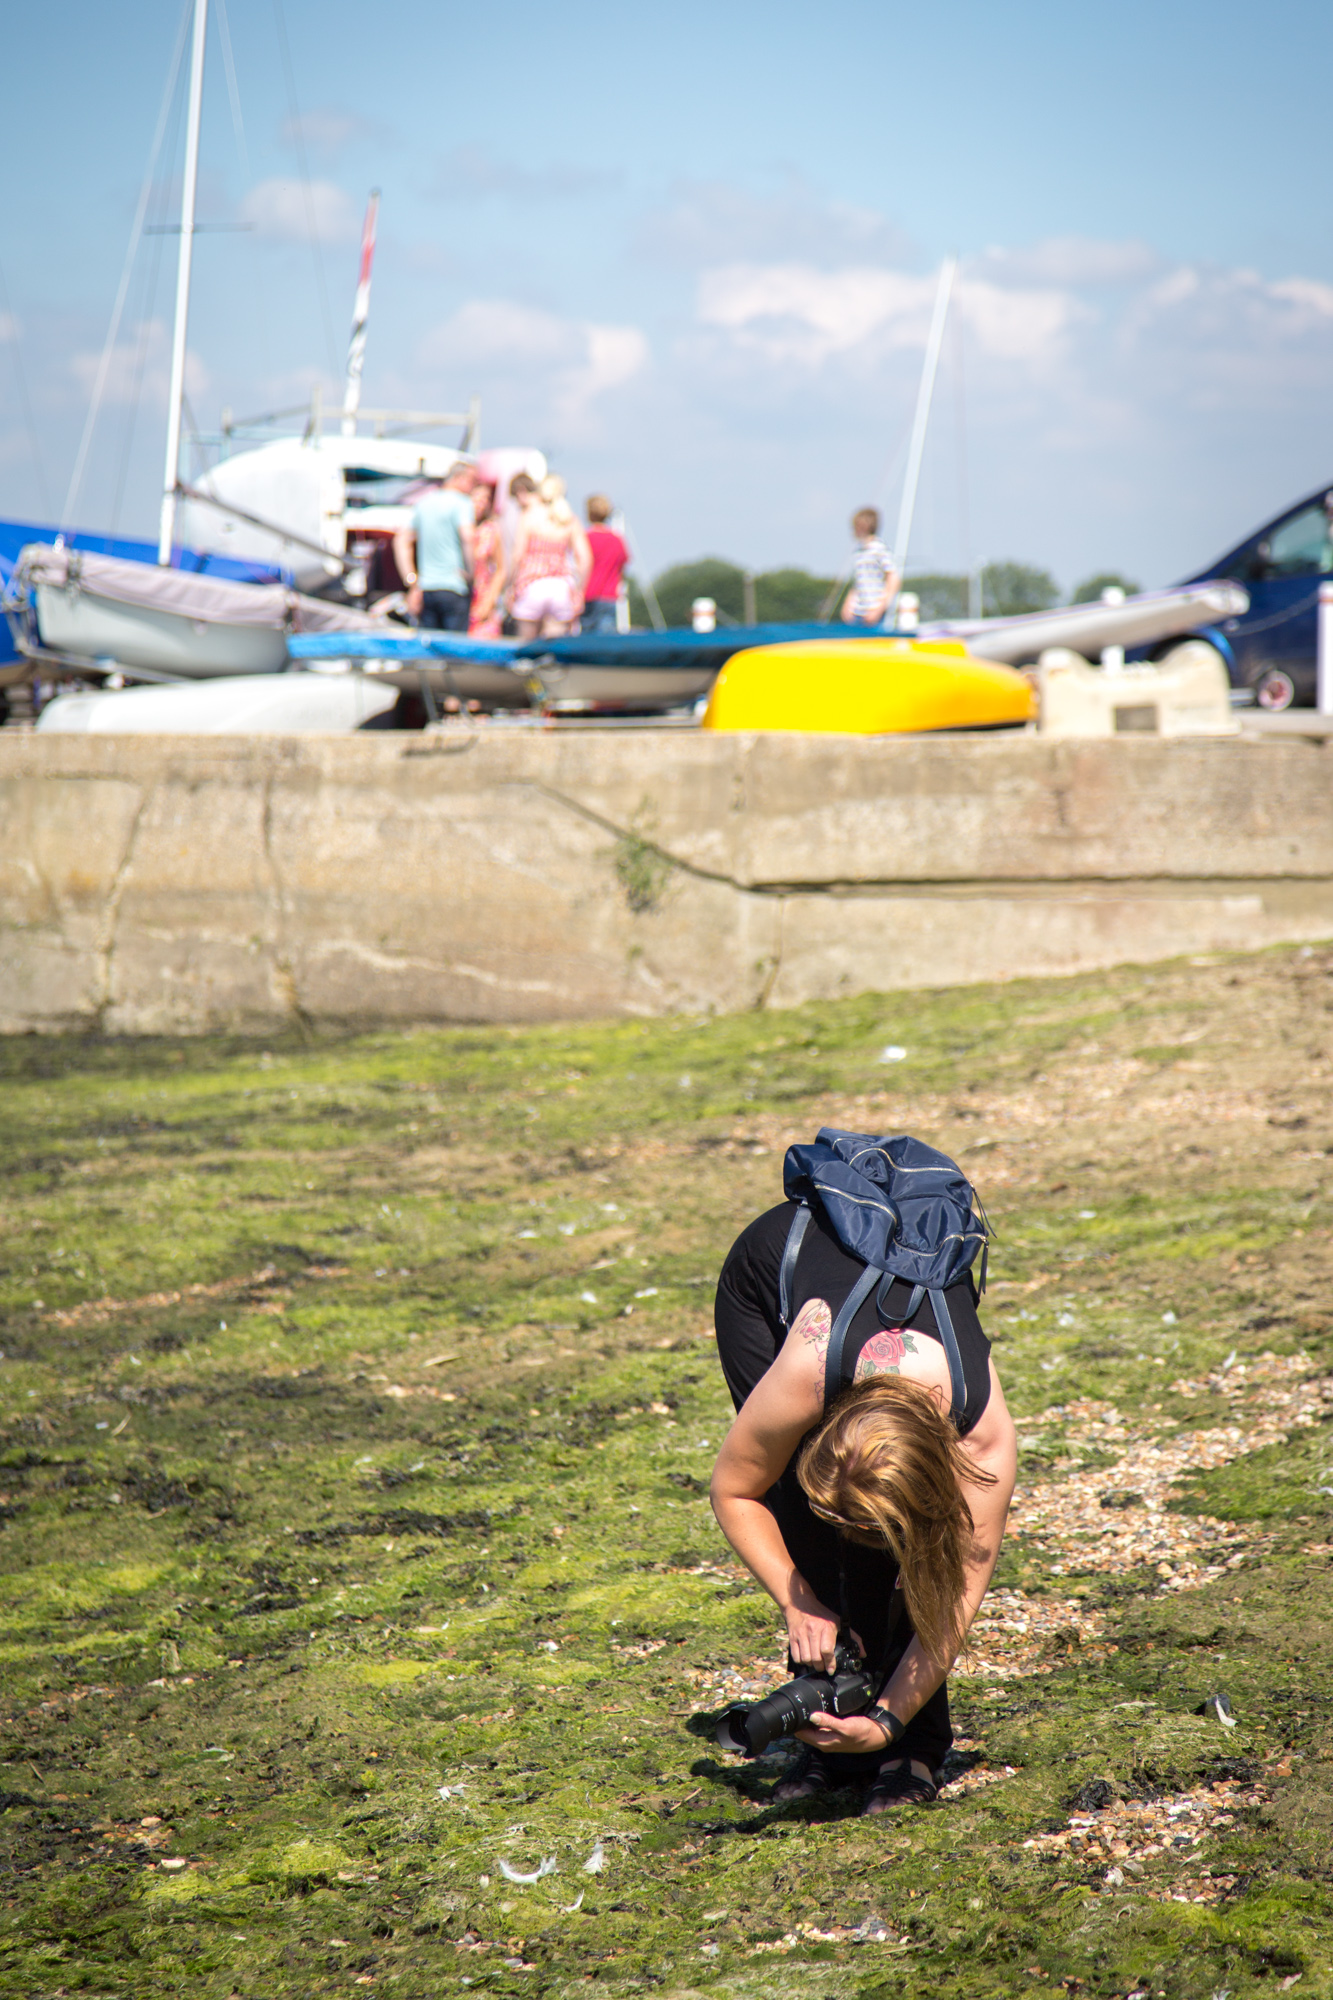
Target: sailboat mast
(356, 353)
(925, 390)
(177, 392)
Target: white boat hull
(622, 686)
(293, 704)
(491, 684)
(139, 635)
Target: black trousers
(445, 610)
(857, 1583)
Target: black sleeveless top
(854, 1580)
(750, 1333)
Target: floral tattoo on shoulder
(814, 1323)
(883, 1354)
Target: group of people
(555, 577)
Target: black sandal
(897, 1784)
(814, 1774)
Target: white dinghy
(295, 704)
(100, 610)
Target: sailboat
(317, 513)
(241, 553)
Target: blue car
(1272, 649)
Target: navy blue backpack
(901, 1208)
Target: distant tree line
(781, 596)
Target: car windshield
(1303, 545)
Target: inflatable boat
(867, 687)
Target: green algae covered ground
(358, 1404)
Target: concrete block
(1186, 694)
(179, 885)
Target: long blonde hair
(552, 494)
(886, 1467)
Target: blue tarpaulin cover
(677, 648)
(395, 642)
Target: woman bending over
(882, 1513)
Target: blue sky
(690, 253)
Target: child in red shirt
(609, 557)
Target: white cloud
(536, 362)
(1309, 293)
(287, 212)
(615, 355)
(1216, 337)
(793, 313)
(1020, 323)
(1120, 409)
(1074, 260)
(489, 332)
(139, 366)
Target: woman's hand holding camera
(842, 1732)
(812, 1630)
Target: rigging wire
(200, 463)
(258, 294)
(146, 304)
(147, 300)
(233, 91)
(298, 140)
(844, 577)
(136, 231)
(961, 466)
(644, 581)
(30, 422)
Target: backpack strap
(948, 1338)
(860, 1292)
(800, 1222)
(913, 1304)
(957, 1380)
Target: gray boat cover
(209, 599)
(1088, 628)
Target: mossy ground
(358, 1404)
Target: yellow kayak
(866, 687)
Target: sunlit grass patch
(409, 1567)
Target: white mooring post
(1324, 670)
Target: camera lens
(751, 1730)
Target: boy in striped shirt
(875, 577)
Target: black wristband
(891, 1725)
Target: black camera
(849, 1690)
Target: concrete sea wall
(174, 885)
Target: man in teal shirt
(434, 555)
